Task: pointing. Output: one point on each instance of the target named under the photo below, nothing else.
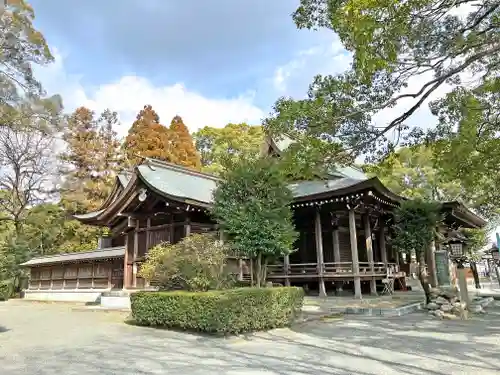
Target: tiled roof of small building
(113, 252)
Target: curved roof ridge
(180, 168)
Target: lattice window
(456, 249)
(45, 274)
(101, 270)
(35, 274)
(57, 273)
(71, 272)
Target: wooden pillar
(240, 269)
(93, 274)
(110, 273)
(286, 267)
(136, 253)
(319, 253)
(187, 228)
(148, 225)
(369, 253)
(336, 255)
(125, 263)
(381, 242)
(354, 253)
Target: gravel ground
(53, 339)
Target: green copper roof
(178, 182)
(112, 252)
(306, 188)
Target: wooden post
(286, 266)
(51, 278)
(136, 253)
(187, 228)
(381, 243)
(110, 273)
(336, 255)
(93, 274)
(148, 225)
(369, 253)
(125, 263)
(354, 253)
(319, 253)
(240, 269)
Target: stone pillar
(354, 253)
(369, 253)
(336, 255)
(319, 252)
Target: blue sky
(189, 57)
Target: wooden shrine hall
(344, 224)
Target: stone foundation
(88, 296)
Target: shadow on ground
(412, 344)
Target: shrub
(197, 263)
(6, 289)
(228, 311)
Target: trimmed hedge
(228, 311)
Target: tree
(467, 142)
(26, 178)
(197, 263)
(21, 46)
(415, 228)
(221, 146)
(91, 160)
(252, 207)
(412, 172)
(182, 145)
(148, 138)
(395, 45)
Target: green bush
(6, 289)
(227, 311)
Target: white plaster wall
(64, 295)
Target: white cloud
(129, 94)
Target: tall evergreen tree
(148, 138)
(91, 160)
(183, 145)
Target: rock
(476, 309)
(453, 300)
(432, 306)
(438, 314)
(448, 294)
(449, 316)
(446, 307)
(440, 300)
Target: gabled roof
(112, 252)
(281, 144)
(459, 212)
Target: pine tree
(148, 138)
(183, 145)
(91, 160)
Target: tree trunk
(422, 276)
(258, 270)
(473, 267)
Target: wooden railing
(333, 269)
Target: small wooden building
(344, 223)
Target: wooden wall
(87, 275)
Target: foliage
(219, 147)
(148, 138)
(411, 172)
(25, 178)
(416, 223)
(252, 206)
(402, 51)
(467, 142)
(183, 145)
(91, 160)
(229, 311)
(21, 46)
(196, 263)
(6, 289)
(477, 240)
